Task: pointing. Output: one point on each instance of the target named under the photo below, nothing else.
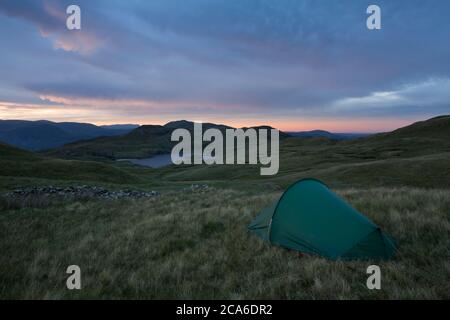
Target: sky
(292, 64)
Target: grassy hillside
(23, 164)
(195, 245)
(437, 128)
(189, 244)
(9, 152)
(418, 155)
(142, 142)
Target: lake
(158, 161)
(161, 160)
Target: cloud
(49, 16)
(255, 58)
(421, 96)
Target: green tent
(310, 218)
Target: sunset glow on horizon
(81, 114)
(291, 65)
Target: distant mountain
(329, 135)
(416, 155)
(42, 134)
(142, 142)
(121, 126)
(434, 128)
(184, 124)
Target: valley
(191, 241)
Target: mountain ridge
(328, 134)
(148, 140)
(43, 134)
(142, 142)
(412, 155)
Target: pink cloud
(80, 41)
(144, 112)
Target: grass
(416, 156)
(191, 245)
(196, 246)
(16, 163)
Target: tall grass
(195, 245)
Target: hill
(172, 234)
(10, 152)
(328, 135)
(196, 246)
(19, 163)
(434, 128)
(142, 142)
(42, 134)
(189, 125)
(417, 155)
(120, 126)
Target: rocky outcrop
(81, 192)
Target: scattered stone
(199, 187)
(82, 192)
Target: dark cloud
(281, 57)
(35, 11)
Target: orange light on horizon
(332, 125)
(62, 111)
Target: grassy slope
(142, 142)
(132, 145)
(418, 155)
(197, 246)
(20, 164)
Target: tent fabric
(310, 218)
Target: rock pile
(82, 192)
(199, 187)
